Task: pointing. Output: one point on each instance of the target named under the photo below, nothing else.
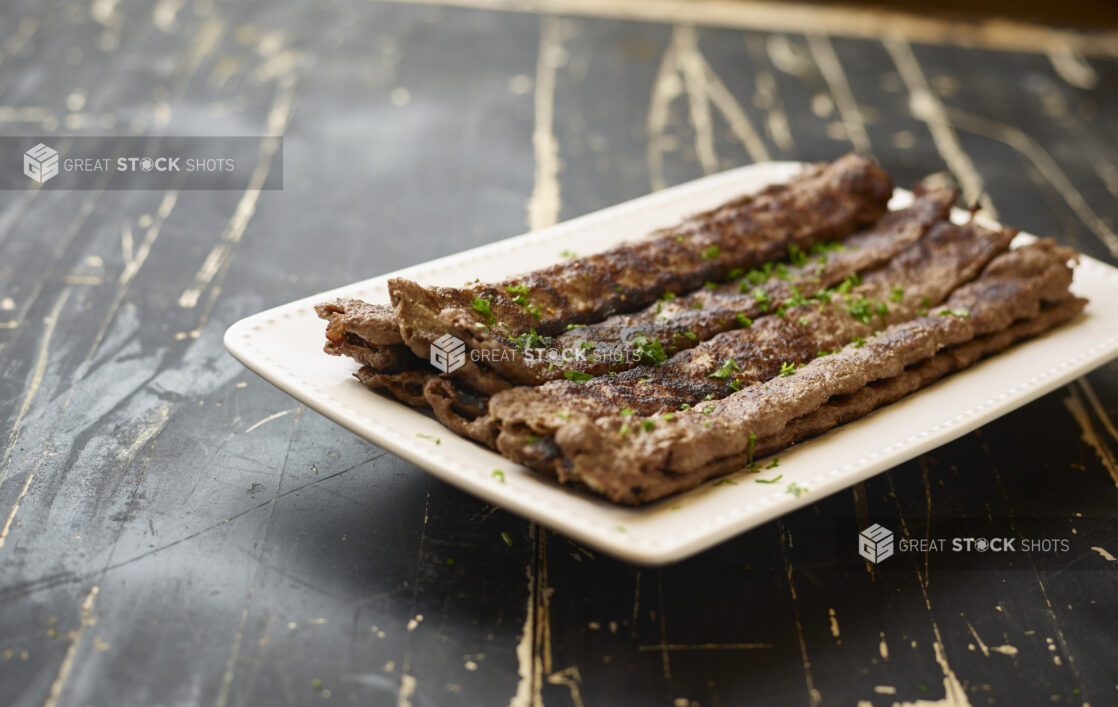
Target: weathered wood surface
(175, 531)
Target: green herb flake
(735, 384)
(769, 481)
(696, 305)
(803, 321)
(506, 537)
(709, 253)
(685, 406)
(773, 464)
(795, 489)
(668, 296)
(954, 313)
(710, 285)
(745, 321)
(450, 561)
(649, 349)
(564, 416)
(481, 306)
(432, 438)
(896, 294)
(316, 684)
(624, 430)
(498, 475)
(858, 342)
(727, 369)
(708, 410)
(648, 425)
(724, 482)
(577, 376)
(530, 340)
(797, 255)
(575, 326)
(568, 254)
(690, 335)
(787, 369)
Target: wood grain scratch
(927, 107)
(36, 379)
(813, 695)
(825, 58)
(1074, 403)
(87, 620)
(545, 201)
(15, 509)
(279, 117)
(1044, 163)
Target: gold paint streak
(231, 663)
(87, 620)
(788, 57)
(541, 650)
(1075, 406)
(407, 691)
(1039, 157)
(15, 509)
(523, 696)
(1072, 67)
(927, 107)
(693, 68)
(836, 20)
(571, 678)
(543, 205)
(665, 656)
(36, 379)
(978, 639)
(735, 115)
(814, 697)
(825, 58)
(834, 624)
(1102, 551)
(269, 418)
(133, 261)
(1093, 399)
(278, 119)
(664, 91)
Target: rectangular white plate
(284, 346)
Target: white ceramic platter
(284, 346)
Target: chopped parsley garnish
(795, 489)
(668, 417)
(626, 411)
(849, 283)
(506, 537)
(769, 481)
(862, 310)
(755, 277)
(773, 464)
(649, 349)
(925, 303)
(727, 369)
(432, 438)
(624, 429)
(517, 290)
(797, 299)
(577, 376)
(575, 326)
(710, 253)
(787, 369)
(685, 406)
(498, 475)
(690, 335)
(710, 285)
(568, 254)
(709, 396)
(648, 425)
(667, 296)
(797, 255)
(803, 321)
(735, 384)
(481, 306)
(749, 459)
(696, 305)
(744, 320)
(724, 482)
(735, 274)
(954, 313)
(781, 271)
(708, 410)
(762, 298)
(858, 342)
(896, 294)
(564, 416)
(531, 339)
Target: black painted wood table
(174, 531)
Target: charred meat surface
(824, 203)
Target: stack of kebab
(696, 376)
